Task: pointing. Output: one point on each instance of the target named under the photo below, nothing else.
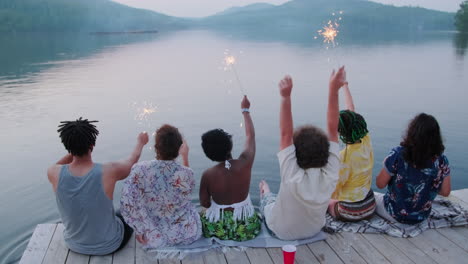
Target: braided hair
(78, 136)
(352, 127)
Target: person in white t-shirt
(309, 166)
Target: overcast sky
(200, 8)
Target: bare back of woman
(224, 188)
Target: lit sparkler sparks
(230, 61)
(145, 111)
(330, 31)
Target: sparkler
(230, 61)
(330, 31)
(145, 111)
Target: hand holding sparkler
(245, 104)
(286, 86)
(143, 138)
(337, 79)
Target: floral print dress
(410, 190)
(156, 202)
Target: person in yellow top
(353, 199)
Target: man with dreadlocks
(84, 191)
(353, 199)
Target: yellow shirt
(357, 161)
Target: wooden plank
(387, 249)
(107, 259)
(410, 250)
(141, 257)
(194, 259)
(276, 254)
(365, 249)
(38, 244)
(127, 254)
(259, 255)
(458, 235)
(343, 249)
(214, 256)
(169, 261)
(236, 257)
(462, 195)
(304, 255)
(57, 251)
(76, 258)
(324, 253)
(439, 247)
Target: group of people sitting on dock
(315, 178)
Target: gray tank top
(91, 226)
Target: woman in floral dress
(156, 197)
(415, 173)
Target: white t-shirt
(302, 202)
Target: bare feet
(264, 188)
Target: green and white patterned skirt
(229, 229)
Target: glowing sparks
(230, 60)
(229, 63)
(329, 33)
(145, 111)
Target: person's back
(84, 191)
(309, 165)
(224, 188)
(415, 173)
(357, 162)
(91, 226)
(156, 197)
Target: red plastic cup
(289, 253)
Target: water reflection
(460, 41)
(26, 53)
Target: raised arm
(121, 169)
(183, 152)
(337, 80)
(249, 149)
(286, 119)
(348, 97)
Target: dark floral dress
(410, 190)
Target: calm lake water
(47, 79)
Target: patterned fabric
(411, 191)
(357, 161)
(156, 202)
(356, 211)
(229, 229)
(444, 214)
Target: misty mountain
(79, 16)
(307, 16)
(248, 8)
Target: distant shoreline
(125, 32)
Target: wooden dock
(444, 246)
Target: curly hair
(312, 147)
(78, 136)
(352, 127)
(217, 145)
(423, 141)
(168, 142)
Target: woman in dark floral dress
(414, 172)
